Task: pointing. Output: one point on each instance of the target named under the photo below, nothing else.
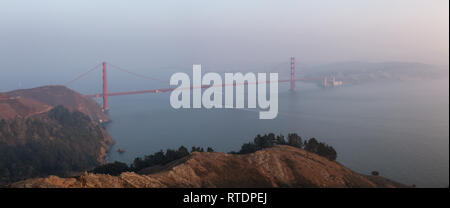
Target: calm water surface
(400, 129)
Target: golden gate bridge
(106, 94)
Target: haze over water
(400, 129)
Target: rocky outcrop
(280, 166)
(106, 144)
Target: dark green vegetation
(115, 168)
(270, 140)
(60, 143)
(158, 158)
(259, 143)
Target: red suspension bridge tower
(105, 94)
(293, 74)
(105, 89)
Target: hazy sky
(72, 35)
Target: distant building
(331, 82)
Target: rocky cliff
(280, 166)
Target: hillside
(26, 102)
(279, 166)
(50, 130)
(18, 106)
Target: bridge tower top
(293, 74)
(105, 89)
